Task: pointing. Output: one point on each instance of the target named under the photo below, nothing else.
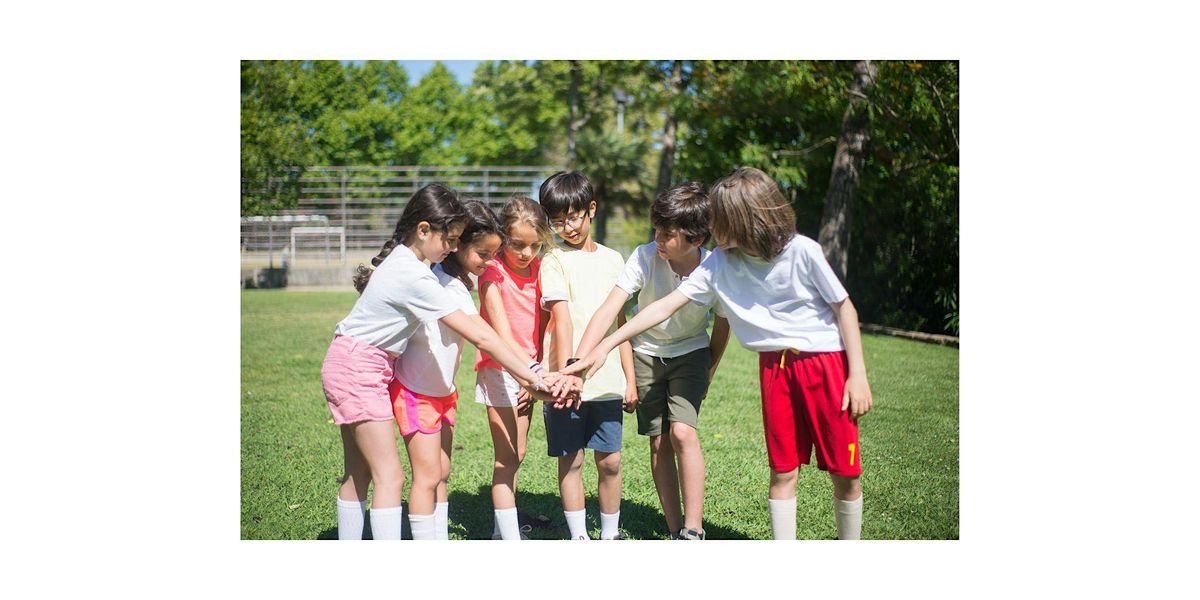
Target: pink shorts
(418, 412)
(355, 376)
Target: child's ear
(592, 208)
(423, 230)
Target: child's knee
(846, 488)
(608, 465)
(683, 435)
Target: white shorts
(495, 387)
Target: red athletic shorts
(802, 408)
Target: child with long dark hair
(398, 297)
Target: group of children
(550, 313)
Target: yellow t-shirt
(584, 280)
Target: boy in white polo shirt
(575, 276)
(673, 361)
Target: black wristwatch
(571, 361)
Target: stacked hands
(560, 390)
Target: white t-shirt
(682, 332)
(402, 294)
(584, 280)
(777, 304)
(431, 359)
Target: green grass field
(291, 450)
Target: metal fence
(344, 212)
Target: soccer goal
(319, 240)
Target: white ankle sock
(423, 526)
(351, 515)
(507, 525)
(441, 517)
(386, 523)
(577, 523)
(783, 518)
(849, 518)
(608, 525)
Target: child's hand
(857, 396)
(523, 399)
(631, 398)
(592, 363)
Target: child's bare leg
(608, 464)
(441, 507)
(425, 456)
(666, 480)
(847, 506)
(376, 442)
(570, 486)
(357, 475)
(781, 503)
(691, 473)
(570, 481)
(508, 451)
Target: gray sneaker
(525, 529)
(690, 534)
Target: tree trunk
(602, 210)
(573, 122)
(847, 168)
(666, 161)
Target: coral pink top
(520, 296)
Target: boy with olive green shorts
(674, 361)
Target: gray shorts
(670, 387)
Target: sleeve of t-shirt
(553, 280)
(462, 297)
(491, 274)
(425, 298)
(633, 276)
(822, 275)
(698, 287)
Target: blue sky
(462, 69)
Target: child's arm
(489, 295)
(631, 397)
(858, 392)
(562, 333)
(601, 319)
(652, 315)
(476, 331)
(717, 343)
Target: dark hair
(565, 192)
(685, 208)
(435, 204)
(520, 209)
(749, 210)
(481, 222)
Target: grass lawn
(291, 450)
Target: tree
(847, 166)
(275, 146)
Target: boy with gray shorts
(674, 361)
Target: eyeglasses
(574, 221)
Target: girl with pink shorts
(398, 297)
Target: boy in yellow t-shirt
(575, 278)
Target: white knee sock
(386, 522)
(351, 514)
(507, 524)
(577, 523)
(423, 526)
(608, 525)
(783, 518)
(849, 518)
(441, 517)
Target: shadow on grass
(471, 518)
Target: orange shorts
(418, 412)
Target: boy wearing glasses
(575, 279)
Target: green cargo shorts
(671, 388)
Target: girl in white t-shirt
(398, 297)
(508, 299)
(783, 301)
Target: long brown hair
(749, 210)
(435, 204)
(481, 222)
(520, 209)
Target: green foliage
(291, 451)
(781, 116)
